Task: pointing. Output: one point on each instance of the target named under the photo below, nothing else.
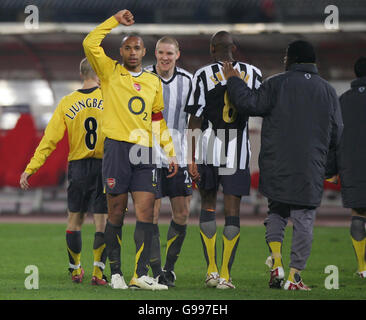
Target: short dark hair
(360, 67)
(222, 41)
(131, 35)
(301, 51)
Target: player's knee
(115, 219)
(156, 211)
(100, 222)
(75, 221)
(231, 211)
(181, 217)
(116, 216)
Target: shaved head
(125, 38)
(222, 40)
(222, 45)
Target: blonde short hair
(169, 40)
(86, 69)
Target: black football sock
(143, 239)
(175, 238)
(155, 259)
(74, 244)
(113, 238)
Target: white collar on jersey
(135, 74)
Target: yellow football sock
(276, 247)
(73, 245)
(228, 255)
(98, 269)
(75, 261)
(359, 247)
(210, 252)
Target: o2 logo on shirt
(136, 105)
(361, 89)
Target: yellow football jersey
(129, 100)
(80, 113)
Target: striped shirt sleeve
(197, 101)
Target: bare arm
(193, 124)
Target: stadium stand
(186, 11)
(53, 56)
(16, 149)
(53, 172)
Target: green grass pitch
(43, 245)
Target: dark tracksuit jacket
(352, 155)
(301, 129)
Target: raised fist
(124, 17)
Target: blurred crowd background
(39, 66)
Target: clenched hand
(124, 17)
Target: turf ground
(43, 245)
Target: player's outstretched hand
(229, 71)
(24, 184)
(173, 167)
(124, 17)
(193, 171)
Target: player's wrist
(114, 21)
(28, 172)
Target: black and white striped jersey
(176, 92)
(225, 139)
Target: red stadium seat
(17, 148)
(54, 169)
(257, 198)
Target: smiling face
(166, 56)
(132, 52)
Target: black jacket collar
(359, 82)
(304, 67)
